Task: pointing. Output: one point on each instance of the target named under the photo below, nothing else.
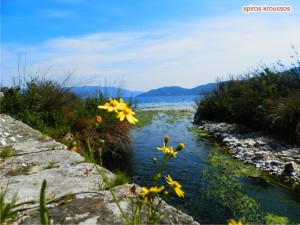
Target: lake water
(156, 102)
(216, 186)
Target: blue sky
(142, 44)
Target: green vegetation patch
(265, 99)
(145, 117)
(6, 152)
(119, 178)
(206, 135)
(273, 219)
(175, 116)
(7, 215)
(221, 183)
(53, 109)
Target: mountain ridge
(113, 92)
(93, 91)
(178, 91)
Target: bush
(54, 110)
(285, 117)
(266, 99)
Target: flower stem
(107, 183)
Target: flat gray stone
(41, 161)
(100, 208)
(61, 181)
(75, 191)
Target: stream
(216, 186)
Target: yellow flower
(72, 148)
(112, 105)
(168, 150)
(233, 222)
(127, 113)
(172, 182)
(152, 190)
(175, 186)
(98, 119)
(122, 103)
(179, 192)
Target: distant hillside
(93, 91)
(177, 91)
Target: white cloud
(187, 55)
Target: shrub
(54, 110)
(266, 99)
(285, 117)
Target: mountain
(93, 91)
(177, 91)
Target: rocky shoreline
(75, 191)
(258, 148)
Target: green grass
(7, 215)
(6, 152)
(120, 178)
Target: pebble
(258, 148)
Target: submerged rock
(290, 169)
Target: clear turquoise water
(215, 189)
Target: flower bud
(101, 143)
(154, 160)
(156, 176)
(166, 193)
(180, 147)
(167, 138)
(72, 143)
(98, 119)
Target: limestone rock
(75, 191)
